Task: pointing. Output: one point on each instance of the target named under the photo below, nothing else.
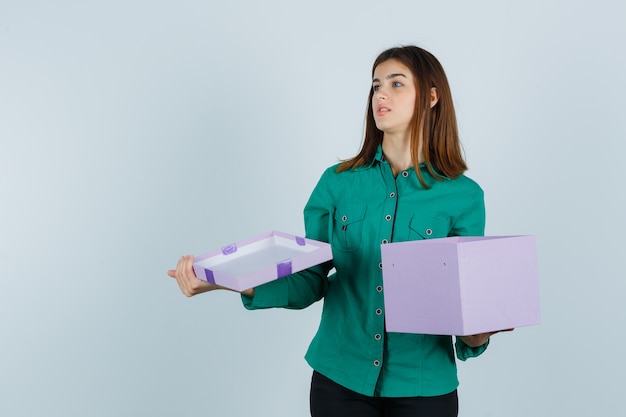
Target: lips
(382, 110)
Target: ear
(434, 97)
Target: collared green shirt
(356, 211)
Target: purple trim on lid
(209, 276)
(300, 241)
(283, 268)
(230, 249)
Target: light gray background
(136, 131)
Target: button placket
(388, 210)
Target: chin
(382, 127)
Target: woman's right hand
(189, 284)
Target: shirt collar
(380, 157)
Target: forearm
(295, 291)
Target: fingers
(184, 274)
(500, 331)
(186, 278)
(481, 338)
(189, 275)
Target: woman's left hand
(480, 339)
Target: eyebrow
(390, 76)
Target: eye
(376, 87)
(397, 84)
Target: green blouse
(356, 211)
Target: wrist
(248, 293)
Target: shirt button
(377, 336)
(385, 241)
(344, 218)
(376, 363)
(392, 194)
(387, 217)
(379, 311)
(380, 265)
(405, 174)
(379, 288)
(429, 232)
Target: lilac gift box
(460, 285)
(260, 259)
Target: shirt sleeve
(471, 222)
(464, 352)
(303, 288)
(295, 291)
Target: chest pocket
(348, 227)
(428, 228)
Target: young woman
(406, 183)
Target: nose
(380, 94)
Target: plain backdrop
(136, 131)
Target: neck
(397, 150)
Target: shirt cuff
(271, 294)
(464, 352)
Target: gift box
(260, 259)
(460, 285)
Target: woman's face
(393, 98)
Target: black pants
(329, 399)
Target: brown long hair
(442, 149)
